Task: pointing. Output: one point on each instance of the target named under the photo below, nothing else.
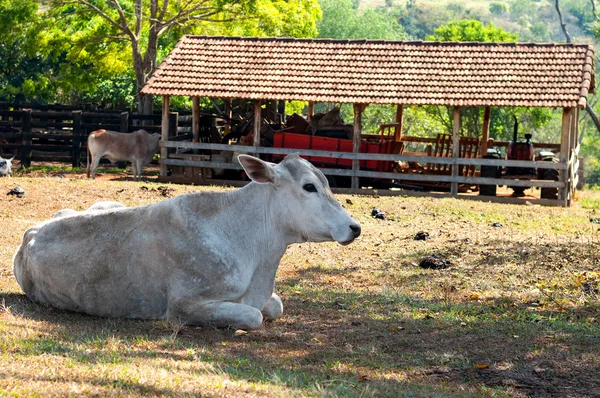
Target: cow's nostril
(355, 230)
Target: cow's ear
(256, 169)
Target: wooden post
(257, 122)
(195, 119)
(455, 149)
(124, 122)
(173, 124)
(573, 144)
(76, 149)
(574, 129)
(281, 110)
(165, 135)
(228, 114)
(563, 193)
(358, 110)
(26, 139)
(398, 131)
(311, 109)
(485, 134)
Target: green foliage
(471, 30)
(590, 150)
(270, 18)
(523, 8)
(292, 107)
(498, 9)
(342, 21)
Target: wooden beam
(257, 122)
(485, 133)
(311, 110)
(455, 149)
(398, 131)
(358, 110)
(165, 135)
(195, 119)
(565, 145)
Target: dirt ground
(514, 313)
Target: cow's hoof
(251, 320)
(274, 308)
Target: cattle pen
(362, 72)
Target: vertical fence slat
(124, 122)
(76, 149)
(26, 140)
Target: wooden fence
(565, 187)
(61, 136)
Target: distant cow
(205, 258)
(6, 167)
(138, 147)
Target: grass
(516, 315)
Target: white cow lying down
(204, 258)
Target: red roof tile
(378, 72)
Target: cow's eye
(309, 188)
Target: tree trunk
(144, 66)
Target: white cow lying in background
(138, 147)
(6, 167)
(205, 258)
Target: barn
(399, 73)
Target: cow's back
(115, 146)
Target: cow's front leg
(274, 308)
(216, 313)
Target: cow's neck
(256, 207)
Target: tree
(471, 30)
(149, 28)
(498, 9)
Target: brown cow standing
(138, 147)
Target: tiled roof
(378, 72)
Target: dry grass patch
(516, 314)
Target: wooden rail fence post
(358, 110)
(257, 123)
(26, 139)
(563, 193)
(124, 122)
(195, 119)
(485, 134)
(398, 130)
(165, 135)
(76, 150)
(173, 124)
(455, 150)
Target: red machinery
(286, 139)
